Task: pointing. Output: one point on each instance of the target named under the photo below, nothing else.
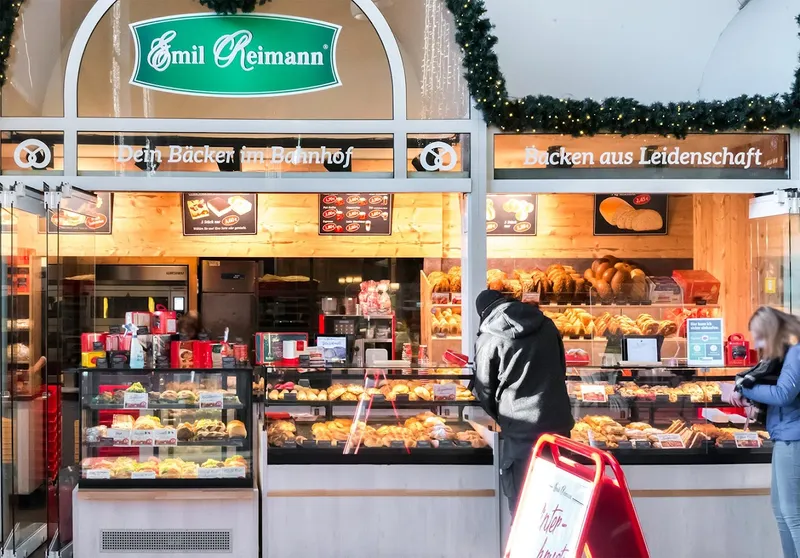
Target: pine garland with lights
(8, 16)
(620, 115)
(233, 6)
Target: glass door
(23, 483)
(72, 221)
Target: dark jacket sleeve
(487, 368)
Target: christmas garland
(8, 16)
(544, 113)
(578, 117)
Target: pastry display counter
(166, 449)
(377, 446)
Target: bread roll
(601, 269)
(608, 274)
(618, 282)
(236, 429)
(603, 289)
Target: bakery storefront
(296, 176)
(650, 254)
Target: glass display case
(166, 428)
(664, 416)
(372, 416)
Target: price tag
(141, 437)
(530, 298)
(165, 437)
(208, 473)
(594, 393)
(398, 444)
(770, 285)
(143, 475)
(232, 472)
(444, 392)
(449, 412)
(119, 437)
(134, 400)
(670, 441)
(747, 440)
(211, 400)
(98, 474)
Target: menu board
(511, 215)
(219, 214)
(630, 214)
(355, 214)
(77, 215)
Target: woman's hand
(738, 400)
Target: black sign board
(511, 215)
(355, 214)
(79, 215)
(219, 214)
(630, 214)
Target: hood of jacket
(513, 320)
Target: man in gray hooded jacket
(520, 375)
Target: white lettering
(277, 154)
(175, 153)
(124, 153)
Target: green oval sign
(245, 55)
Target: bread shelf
(375, 404)
(228, 443)
(161, 407)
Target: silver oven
(137, 288)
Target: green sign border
(195, 93)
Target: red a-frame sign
(570, 510)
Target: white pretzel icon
(438, 150)
(32, 154)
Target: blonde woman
(776, 334)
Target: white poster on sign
(551, 516)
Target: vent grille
(165, 541)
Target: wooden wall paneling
(149, 225)
(722, 247)
(565, 230)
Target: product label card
(594, 393)
(449, 411)
(119, 436)
(670, 441)
(141, 437)
(165, 437)
(211, 400)
(143, 475)
(232, 472)
(444, 392)
(747, 440)
(98, 474)
(135, 400)
(208, 473)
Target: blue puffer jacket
(783, 411)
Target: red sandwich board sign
(571, 510)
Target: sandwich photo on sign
(635, 214)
